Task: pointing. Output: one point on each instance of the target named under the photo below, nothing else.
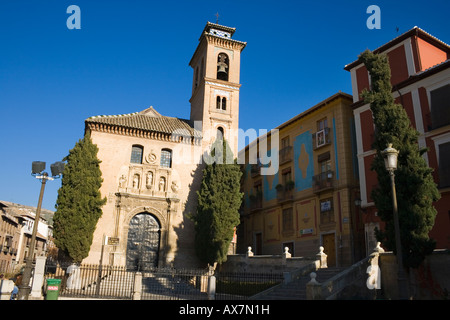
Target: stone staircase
(296, 289)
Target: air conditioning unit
(320, 138)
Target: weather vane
(217, 17)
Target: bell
(222, 64)
(222, 67)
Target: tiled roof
(148, 120)
(414, 31)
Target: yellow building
(312, 199)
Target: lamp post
(37, 170)
(390, 161)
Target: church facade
(152, 164)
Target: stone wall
(263, 263)
(431, 281)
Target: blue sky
(129, 55)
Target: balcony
(321, 138)
(286, 154)
(255, 170)
(256, 202)
(285, 192)
(323, 181)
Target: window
(325, 166)
(286, 176)
(136, 154)
(219, 134)
(221, 103)
(440, 106)
(326, 211)
(322, 124)
(444, 165)
(321, 137)
(222, 66)
(218, 99)
(196, 77)
(288, 220)
(324, 162)
(166, 158)
(285, 151)
(285, 142)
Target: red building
(420, 77)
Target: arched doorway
(143, 241)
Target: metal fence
(93, 281)
(115, 282)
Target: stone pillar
(6, 288)
(137, 286)
(322, 257)
(212, 287)
(313, 288)
(286, 253)
(249, 252)
(38, 277)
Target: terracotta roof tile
(148, 120)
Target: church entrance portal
(144, 236)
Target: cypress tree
(79, 203)
(415, 187)
(219, 200)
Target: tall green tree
(79, 203)
(415, 187)
(219, 200)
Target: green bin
(53, 286)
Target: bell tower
(215, 85)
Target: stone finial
(322, 257)
(286, 255)
(313, 276)
(378, 248)
(313, 288)
(249, 252)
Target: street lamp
(390, 155)
(37, 170)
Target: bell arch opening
(223, 64)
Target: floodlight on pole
(37, 170)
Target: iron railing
(92, 281)
(116, 282)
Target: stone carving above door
(147, 179)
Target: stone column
(212, 287)
(137, 286)
(38, 277)
(6, 289)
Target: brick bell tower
(215, 86)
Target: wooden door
(329, 246)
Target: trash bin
(53, 286)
